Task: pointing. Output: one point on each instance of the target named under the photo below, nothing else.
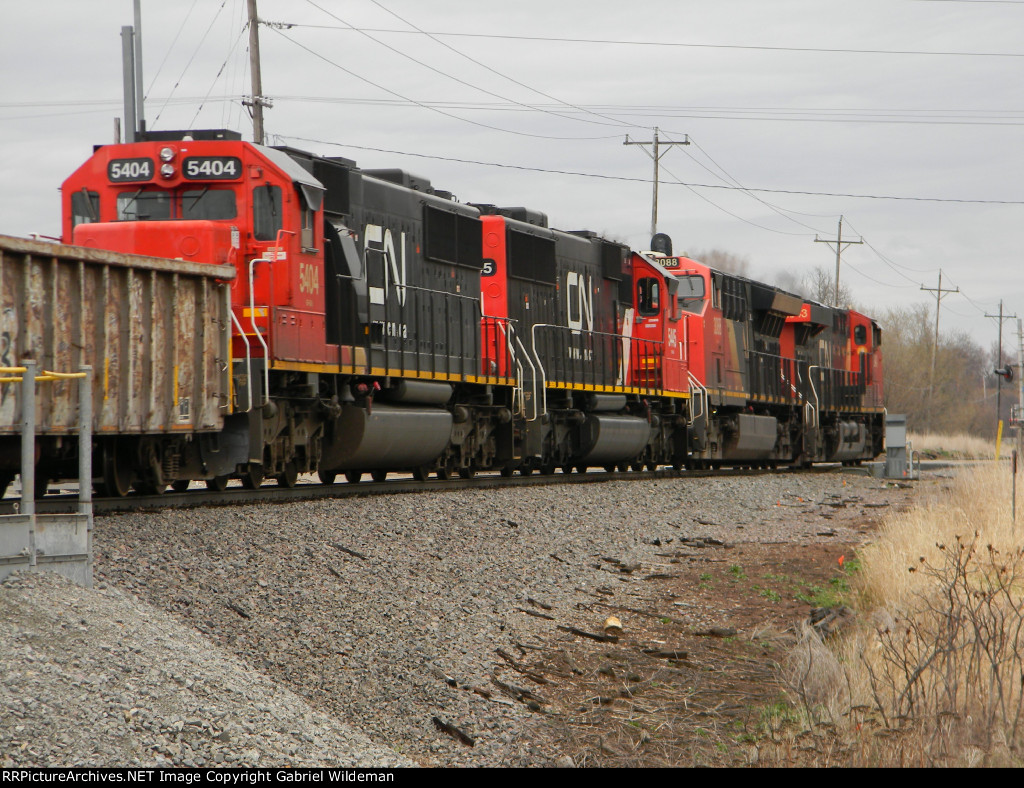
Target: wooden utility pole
(839, 246)
(999, 361)
(939, 292)
(257, 102)
(656, 144)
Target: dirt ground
(667, 692)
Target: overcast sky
(528, 103)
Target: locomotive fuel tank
(605, 439)
(387, 437)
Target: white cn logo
(379, 239)
(580, 302)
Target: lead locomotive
(358, 321)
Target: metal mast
(139, 98)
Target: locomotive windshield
(691, 292)
(159, 204)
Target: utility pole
(257, 102)
(999, 360)
(656, 156)
(839, 246)
(939, 293)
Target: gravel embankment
(206, 626)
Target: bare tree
(723, 261)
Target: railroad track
(307, 489)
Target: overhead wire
(669, 44)
(422, 105)
(626, 178)
(438, 71)
(190, 60)
(495, 71)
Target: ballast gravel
(357, 631)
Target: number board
(212, 168)
(669, 262)
(127, 170)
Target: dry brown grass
(959, 447)
(933, 675)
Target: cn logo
(580, 302)
(380, 240)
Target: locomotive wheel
(444, 473)
(152, 488)
(467, 473)
(567, 469)
(547, 469)
(422, 473)
(507, 470)
(609, 468)
(652, 466)
(525, 470)
(582, 468)
(252, 478)
(327, 477)
(353, 477)
(117, 471)
(290, 476)
(622, 467)
(217, 484)
(636, 466)
(181, 485)
(378, 474)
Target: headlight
(167, 154)
(167, 171)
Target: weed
(737, 573)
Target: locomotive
(364, 322)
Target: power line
(492, 70)
(668, 44)
(422, 105)
(644, 180)
(445, 74)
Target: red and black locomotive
(377, 324)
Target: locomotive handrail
(256, 331)
(248, 356)
(510, 334)
(814, 391)
(645, 344)
(702, 398)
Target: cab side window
(266, 212)
(85, 207)
(648, 296)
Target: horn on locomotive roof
(662, 244)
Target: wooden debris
(239, 609)
(520, 668)
(666, 653)
(534, 602)
(536, 614)
(715, 632)
(513, 691)
(337, 546)
(584, 634)
(454, 732)
(334, 572)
